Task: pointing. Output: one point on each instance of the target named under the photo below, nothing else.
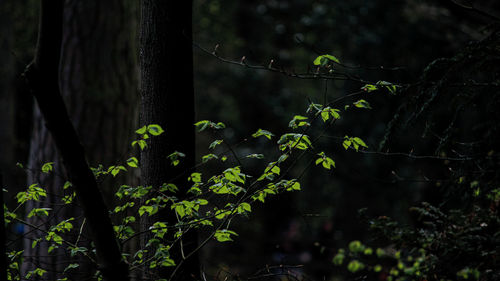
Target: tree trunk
(168, 100)
(98, 79)
(3, 238)
(7, 134)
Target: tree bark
(98, 79)
(7, 119)
(168, 100)
(3, 238)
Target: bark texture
(7, 134)
(42, 76)
(168, 100)
(3, 238)
(98, 79)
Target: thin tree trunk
(3, 238)
(98, 79)
(168, 100)
(42, 76)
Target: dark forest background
(411, 43)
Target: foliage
(456, 237)
(445, 243)
(448, 246)
(202, 209)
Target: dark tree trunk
(98, 78)
(7, 134)
(42, 76)
(168, 100)
(3, 238)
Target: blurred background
(300, 229)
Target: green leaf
(208, 157)
(201, 125)
(338, 259)
(314, 108)
(220, 214)
(328, 163)
(255, 156)
(325, 161)
(392, 88)
(360, 142)
(354, 141)
(195, 177)
(142, 144)
(264, 133)
(201, 202)
(141, 131)
(179, 209)
(155, 129)
(362, 104)
(167, 262)
(325, 59)
(380, 252)
(346, 143)
(368, 251)
(272, 167)
(169, 187)
(133, 162)
(245, 207)
(224, 235)
(175, 156)
(297, 141)
(39, 212)
(282, 158)
(67, 185)
(151, 210)
(334, 113)
(47, 167)
(384, 83)
(235, 175)
(298, 121)
(355, 266)
(35, 242)
(356, 246)
(116, 169)
(325, 115)
(319, 160)
(214, 144)
(68, 198)
(124, 207)
(71, 266)
(293, 185)
(37, 271)
(76, 250)
(34, 192)
(159, 229)
(63, 226)
(369, 88)
(219, 126)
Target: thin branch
(471, 8)
(336, 75)
(63, 240)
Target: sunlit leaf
(362, 104)
(132, 162)
(325, 59)
(47, 167)
(264, 133)
(155, 129)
